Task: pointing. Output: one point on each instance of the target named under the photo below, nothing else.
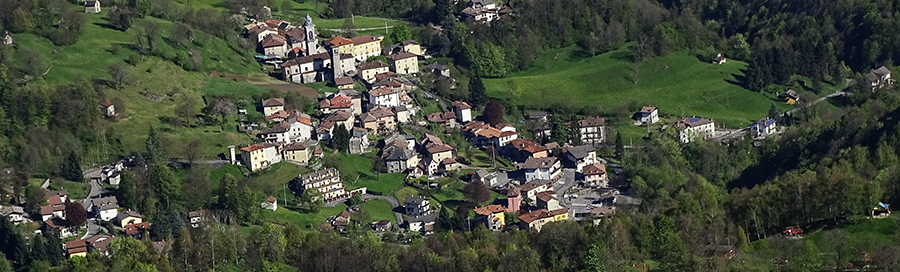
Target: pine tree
(340, 139)
(71, 169)
(154, 147)
(620, 147)
(477, 91)
(773, 111)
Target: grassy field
(77, 190)
(383, 184)
(379, 210)
(678, 84)
(285, 216)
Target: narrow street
(96, 190)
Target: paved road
(835, 94)
(394, 203)
(96, 190)
(566, 181)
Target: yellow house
(297, 152)
(492, 216)
(361, 47)
(368, 70)
(76, 248)
(128, 217)
(404, 63)
(260, 156)
(344, 45)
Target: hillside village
(384, 154)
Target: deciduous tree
(76, 215)
(476, 193)
(493, 113)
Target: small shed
(92, 6)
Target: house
(260, 156)
(492, 216)
(378, 120)
(490, 179)
(298, 152)
(340, 102)
(647, 115)
(195, 217)
(603, 212)
(271, 203)
(359, 141)
(7, 39)
(341, 219)
(437, 69)
(581, 155)
(592, 130)
(547, 168)
(513, 199)
(547, 200)
(76, 248)
(344, 83)
(105, 208)
(261, 31)
(595, 175)
(408, 140)
(879, 78)
(49, 212)
(538, 218)
(15, 214)
(114, 179)
(479, 15)
(274, 46)
(409, 46)
(463, 111)
(92, 6)
(522, 149)
(482, 134)
(128, 217)
(65, 231)
(385, 97)
(402, 114)
(398, 159)
(137, 231)
(691, 128)
(100, 244)
(317, 67)
(368, 70)
(416, 206)
(719, 59)
(447, 119)
(338, 118)
(439, 151)
(539, 123)
(790, 97)
(423, 223)
(404, 63)
(327, 181)
(382, 226)
(482, 4)
(762, 128)
(272, 105)
(529, 190)
(297, 127)
(361, 47)
(108, 109)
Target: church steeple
(311, 40)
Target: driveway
(96, 190)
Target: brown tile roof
(591, 122)
(344, 214)
(340, 41)
(373, 65)
(273, 102)
(255, 147)
(535, 215)
(594, 169)
(381, 113)
(507, 133)
(380, 76)
(401, 56)
(340, 101)
(531, 185)
(272, 40)
(540, 163)
(194, 214)
(546, 196)
(363, 39)
(106, 104)
(338, 116)
(461, 105)
(440, 148)
(560, 211)
(75, 244)
(524, 144)
(490, 209)
(297, 33)
(55, 200)
(448, 161)
(343, 81)
(296, 146)
(271, 199)
(648, 109)
(382, 91)
(135, 228)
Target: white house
(591, 129)
(272, 105)
(15, 214)
(547, 168)
(762, 128)
(260, 156)
(648, 115)
(423, 223)
(691, 128)
(416, 206)
(878, 78)
(105, 208)
(463, 111)
(581, 156)
(385, 97)
(271, 203)
(196, 217)
(296, 128)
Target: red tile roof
(461, 105)
(340, 41)
(271, 199)
(272, 40)
(131, 229)
(535, 215)
(594, 169)
(490, 209)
